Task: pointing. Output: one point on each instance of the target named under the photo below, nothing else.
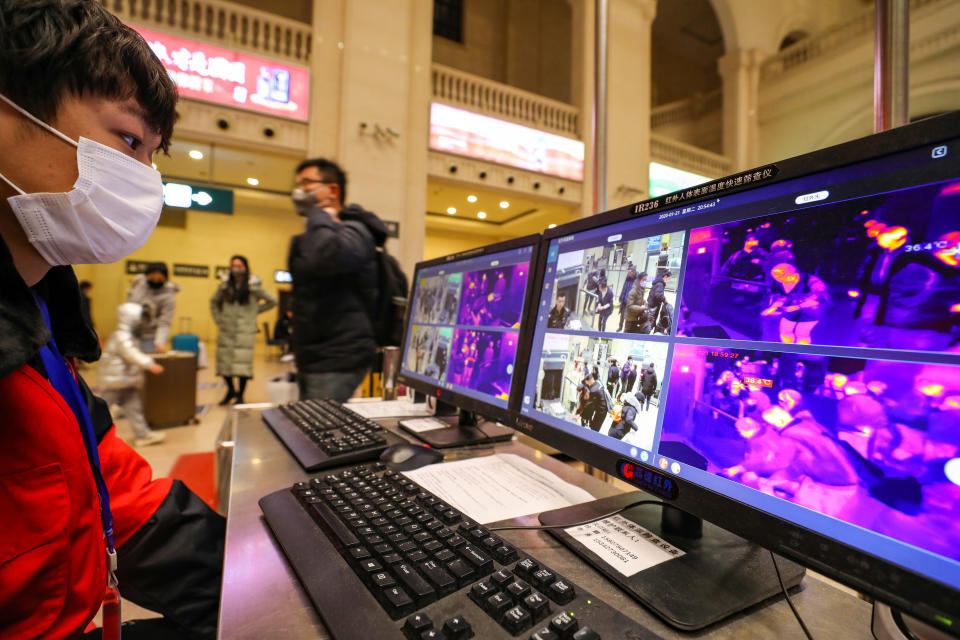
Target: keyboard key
(397, 602)
(406, 547)
(456, 541)
(370, 566)
(526, 567)
(518, 590)
(381, 549)
(417, 556)
(497, 605)
(462, 571)
(359, 553)
(414, 584)
(490, 543)
(505, 554)
(392, 558)
(564, 625)
(516, 620)
(543, 577)
(450, 516)
(382, 579)
(477, 533)
(341, 535)
(443, 533)
(501, 578)
(432, 545)
(432, 634)
(457, 628)
(586, 633)
(537, 604)
(442, 581)
(481, 562)
(444, 555)
(561, 591)
(481, 591)
(432, 525)
(422, 537)
(544, 634)
(416, 624)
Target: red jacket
(52, 551)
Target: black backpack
(391, 303)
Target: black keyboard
(380, 557)
(322, 434)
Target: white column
(581, 92)
(372, 67)
(628, 100)
(740, 72)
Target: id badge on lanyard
(62, 379)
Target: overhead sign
(201, 198)
(133, 267)
(191, 270)
(471, 134)
(222, 76)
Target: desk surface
(262, 598)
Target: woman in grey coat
(235, 306)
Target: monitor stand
(719, 575)
(465, 428)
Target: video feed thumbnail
(438, 298)
(611, 386)
(628, 287)
(494, 297)
(881, 271)
(874, 443)
(429, 351)
(483, 361)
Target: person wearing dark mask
(335, 283)
(153, 288)
(84, 106)
(235, 306)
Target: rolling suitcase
(171, 398)
(185, 340)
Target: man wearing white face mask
(84, 104)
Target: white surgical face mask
(110, 212)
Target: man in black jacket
(334, 268)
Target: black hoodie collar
(22, 329)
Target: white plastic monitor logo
(939, 152)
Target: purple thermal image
(881, 271)
(493, 297)
(483, 361)
(874, 443)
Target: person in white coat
(121, 371)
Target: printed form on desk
(390, 409)
(497, 487)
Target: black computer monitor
(462, 336)
(797, 372)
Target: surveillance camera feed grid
(875, 443)
(478, 311)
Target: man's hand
(155, 369)
(160, 348)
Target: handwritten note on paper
(624, 545)
(497, 487)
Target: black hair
(238, 292)
(53, 48)
(154, 267)
(330, 171)
(641, 275)
(85, 284)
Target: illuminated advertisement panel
(471, 134)
(221, 76)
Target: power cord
(544, 527)
(787, 596)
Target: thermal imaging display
(794, 347)
(465, 323)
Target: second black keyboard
(324, 433)
(380, 557)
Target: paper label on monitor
(624, 545)
(419, 425)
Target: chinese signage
(213, 74)
(133, 267)
(191, 270)
(191, 196)
(471, 134)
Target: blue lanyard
(66, 385)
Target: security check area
(782, 393)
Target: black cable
(582, 522)
(787, 596)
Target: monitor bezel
(916, 594)
(438, 391)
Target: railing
(478, 94)
(684, 156)
(223, 22)
(687, 109)
(840, 36)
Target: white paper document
(497, 487)
(390, 409)
(420, 425)
(624, 545)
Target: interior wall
(439, 242)
(483, 50)
(301, 10)
(260, 233)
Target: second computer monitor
(464, 325)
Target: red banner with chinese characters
(213, 74)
